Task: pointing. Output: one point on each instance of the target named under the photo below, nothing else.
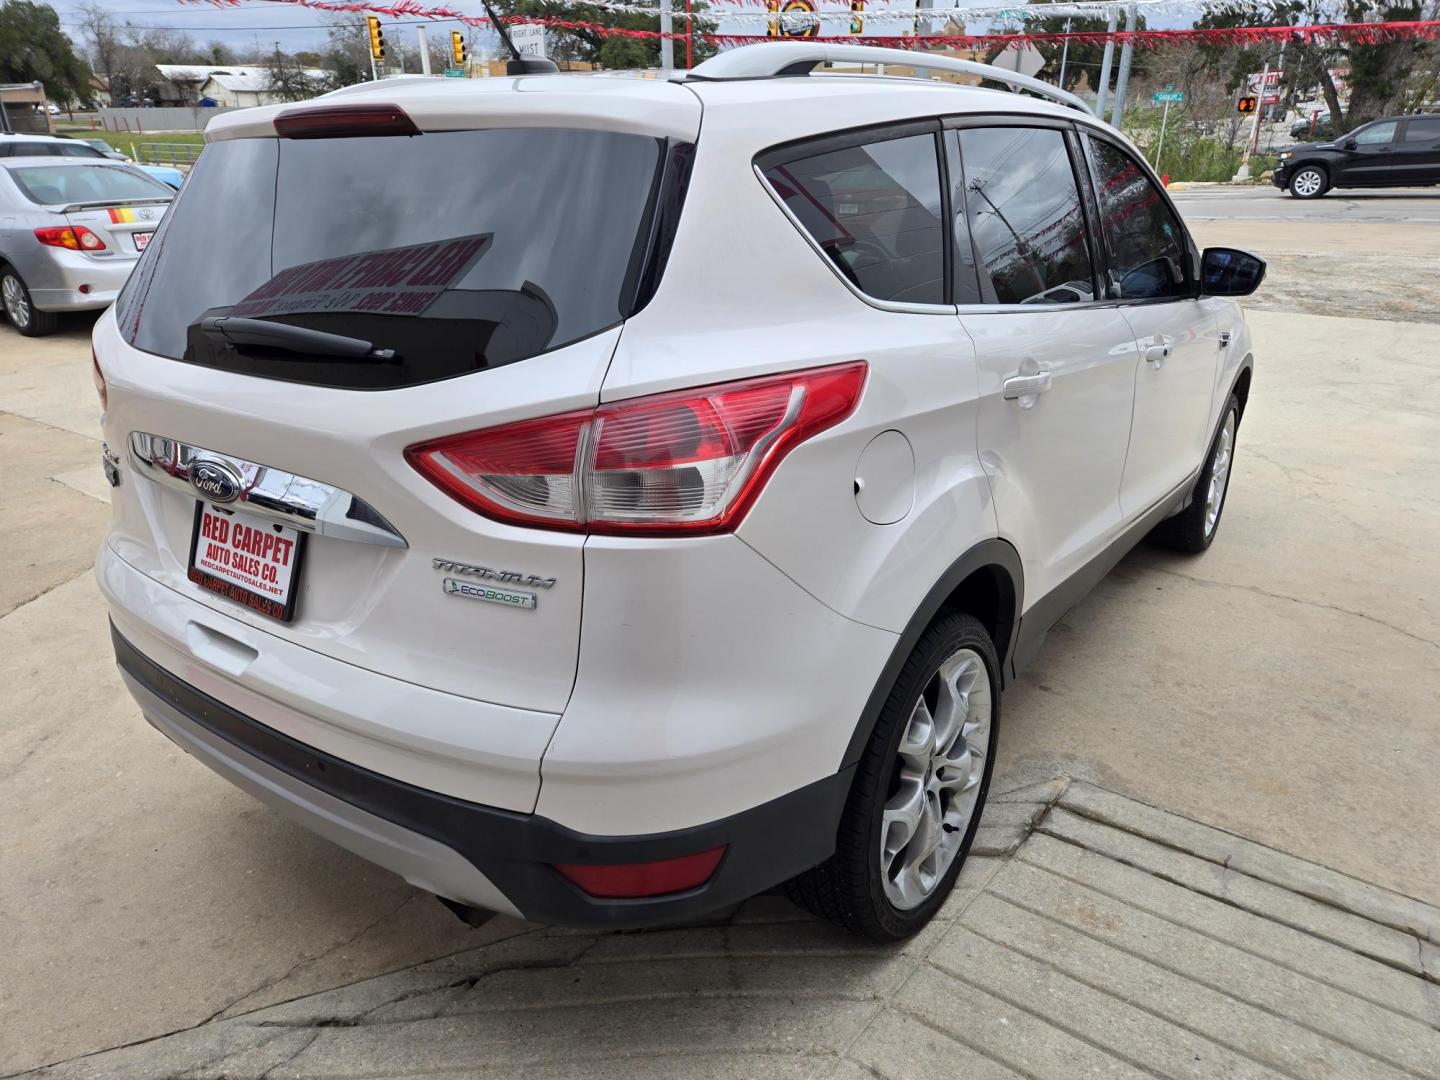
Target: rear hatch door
(486, 272)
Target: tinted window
(1423, 129)
(1376, 134)
(1147, 246)
(875, 210)
(1023, 207)
(458, 250)
(86, 183)
(54, 149)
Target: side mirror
(1230, 272)
(1351, 144)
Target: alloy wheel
(1219, 473)
(936, 786)
(1308, 183)
(17, 304)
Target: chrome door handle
(1020, 386)
(1158, 351)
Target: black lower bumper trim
(765, 845)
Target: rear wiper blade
(228, 330)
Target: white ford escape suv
(600, 499)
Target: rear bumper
(487, 857)
(56, 275)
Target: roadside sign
(454, 73)
(1164, 97)
(529, 38)
(1245, 104)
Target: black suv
(1403, 151)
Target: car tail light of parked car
(74, 237)
(678, 463)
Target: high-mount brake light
(73, 237)
(344, 121)
(683, 463)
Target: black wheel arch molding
(996, 580)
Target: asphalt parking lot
(1284, 687)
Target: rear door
(1056, 363)
(489, 272)
(1417, 154)
(1150, 271)
(1372, 158)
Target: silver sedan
(70, 233)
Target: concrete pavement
(1119, 941)
(1283, 686)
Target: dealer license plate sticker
(247, 559)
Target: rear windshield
(58, 148)
(49, 184)
(448, 252)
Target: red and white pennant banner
(1329, 34)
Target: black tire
(30, 321)
(1303, 189)
(1187, 530)
(847, 888)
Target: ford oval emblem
(216, 482)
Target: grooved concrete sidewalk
(1091, 936)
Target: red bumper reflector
(623, 880)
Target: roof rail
(769, 59)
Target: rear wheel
(1309, 182)
(21, 310)
(919, 789)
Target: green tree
(34, 48)
(1383, 78)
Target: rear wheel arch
(986, 582)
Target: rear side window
(49, 184)
(1023, 207)
(1147, 245)
(53, 149)
(875, 210)
(451, 252)
(1423, 129)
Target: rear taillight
(681, 463)
(74, 237)
(99, 377)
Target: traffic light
(377, 38)
(1247, 104)
(457, 47)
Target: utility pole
(1243, 173)
(1065, 53)
(424, 51)
(1105, 64)
(1117, 111)
(667, 44)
